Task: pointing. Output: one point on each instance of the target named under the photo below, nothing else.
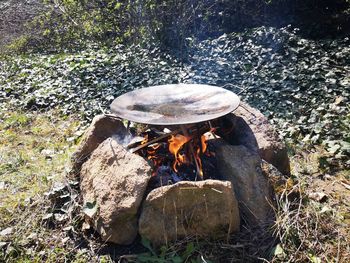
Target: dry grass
(313, 230)
(309, 231)
(304, 230)
(34, 150)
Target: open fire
(178, 155)
(181, 153)
(172, 128)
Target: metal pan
(175, 104)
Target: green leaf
(314, 259)
(345, 146)
(177, 259)
(147, 244)
(278, 250)
(190, 248)
(147, 257)
(334, 148)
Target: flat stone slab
(204, 208)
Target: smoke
(123, 140)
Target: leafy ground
(303, 86)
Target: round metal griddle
(175, 104)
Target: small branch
(185, 132)
(154, 140)
(102, 110)
(240, 105)
(65, 12)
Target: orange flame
(175, 144)
(199, 161)
(204, 143)
(193, 153)
(145, 139)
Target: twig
(211, 128)
(65, 12)
(112, 116)
(161, 137)
(345, 185)
(338, 250)
(240, 105)
(234, 86)
(102, 110)
(154, 140)
(237, 87)
(216, 190)
(192, 152)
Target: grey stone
(101, 128)
(115, 180)
(249, 127)
(242, 168)
(203, 208)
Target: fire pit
(192, 168)
(176, 152)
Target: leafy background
(302, 85)
(64, 61)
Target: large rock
(242, 167)
(204, 208)
(276, 179)
(249, 127)
(116, 180)
(101, 128)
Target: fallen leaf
(32, 236)
(68, 228)
(278, 250)
(2, 244)
(64, 240)
(48, 153)
(314, 259)
(60, 217)
(338, 100)
(47, 216)
(325, 209)
(85, 226)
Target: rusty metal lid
(175, 104)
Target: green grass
(34, 153)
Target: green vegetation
(62, 25)
(300, 84)
(34, 154)
(79, 55)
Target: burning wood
(176, 155)
(146, 143)
(191, 107)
